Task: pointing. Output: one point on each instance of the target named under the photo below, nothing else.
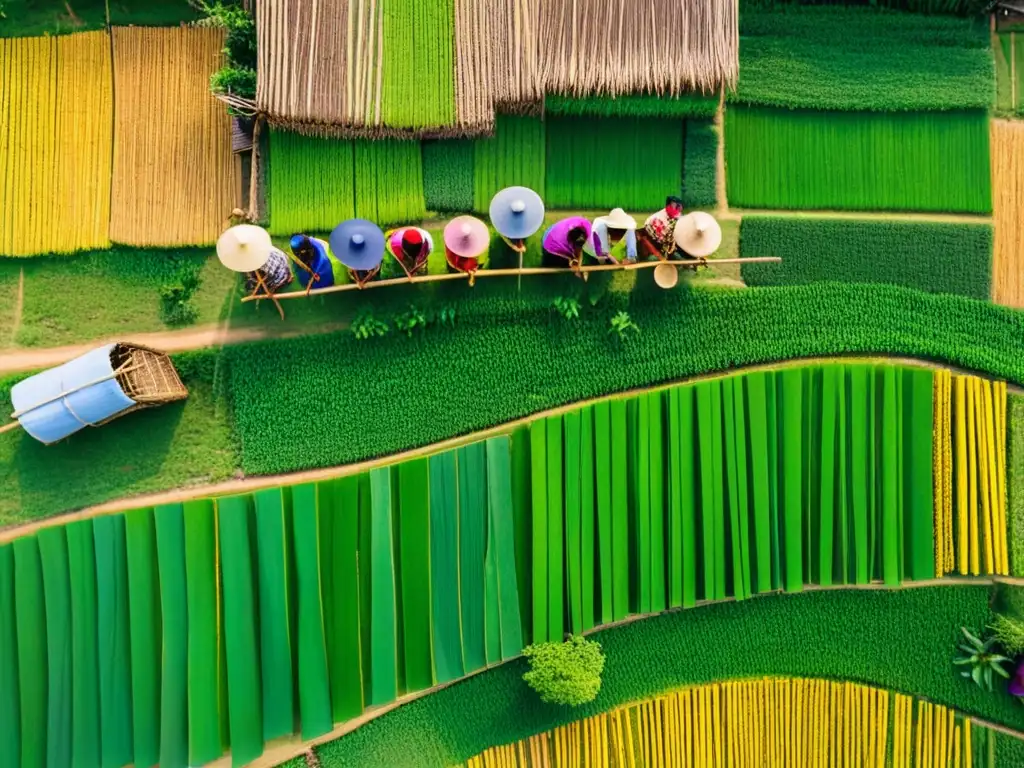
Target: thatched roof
(338, 68)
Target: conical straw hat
(666, 276)
(467, 237)
(358, 244)
(698, 234)
(517, 212)
(244, 248)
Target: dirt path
(19, 360)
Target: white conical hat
(666, 276)
(244, 248)
(698, 234)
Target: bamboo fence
(56, 107)
(175, 178)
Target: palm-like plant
(981, 659)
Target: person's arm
(598, 240)
(631, 244)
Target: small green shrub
(981, 660)
(566, 673)
(366, 326)
(567, 307)
(622, 324)
(1009, 633)
(176, 308)
(410, 321)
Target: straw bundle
(56, 107)
(612, 47)
(175, 178)
(1007, 141)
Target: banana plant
(981, 660)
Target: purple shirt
(556, 239)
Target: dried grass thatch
(612, 47)
(1007, 148)
(327, 67)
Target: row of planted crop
(175, 633)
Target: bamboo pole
(508, 273)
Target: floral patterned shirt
(661, 229)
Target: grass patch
(168, 447)
(511, 356)
(863, 59)
(1015, 481)
(935, 257)
(818, 634)
(25, 18)
(919, 161)
(700, 165)
(71, 299)
(634, 105)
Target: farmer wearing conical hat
(411, 246)
(659, 229)
(466, 240)
(614, 237)
(359, 245)
(563, 242)
(311, 254)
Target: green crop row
(863, 59)
(1015, 481)
(511, 356)
(608, 163)
(960, 7)
(700, 165)
(929, 256)
(419, 64)
(513, 157)
(229, 623)
(317, 183)
(448, 175)
(902, 641)
(694, 105)
(328, 598)
(923, 161)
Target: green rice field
(858, 161)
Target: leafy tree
(566, 673)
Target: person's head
(673, 206)
(302, 247)
(412, 243)
(578, 237)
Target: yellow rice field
(770, 722)
(969, 464)
(175, 179)
(56, 106)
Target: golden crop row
(970, 434)
(56, 106)
(769, 722)
(80, 167)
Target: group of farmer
(358, 246)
